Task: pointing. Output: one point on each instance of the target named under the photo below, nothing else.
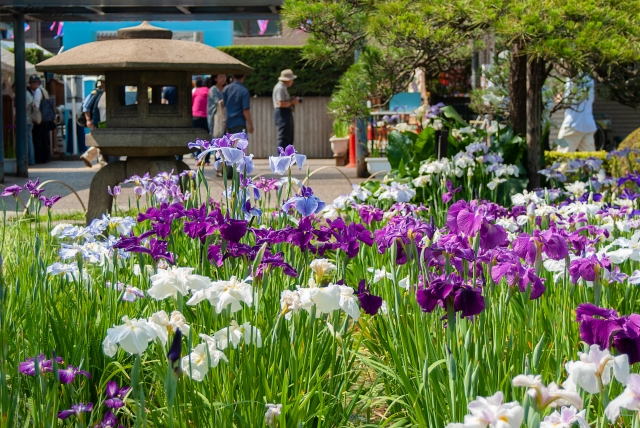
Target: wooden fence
(312, 128)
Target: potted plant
(377, 160)
(340, 142)
(10, 164)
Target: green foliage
(406, 150)
(340, 128)
(349, 101)
(511, 146)
(393, 37)
(33, 55)
(314, 79)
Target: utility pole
(21, 96)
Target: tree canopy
(571, 37)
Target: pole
(361, 138)
(21, 96)
(1, 133)
(74, 127)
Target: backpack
(34, 113)
(47, 108)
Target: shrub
(552, 156)
(268, 61)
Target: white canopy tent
(8, 63)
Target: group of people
(219, 104)
(38, 130)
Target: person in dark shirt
(169, 95)
(236, 99)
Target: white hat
(287, 75)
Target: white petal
(621, 368)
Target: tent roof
(143, 47)
(8, 63)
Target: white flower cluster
(223, 294)
(466, 163)
(135, 334)
(358, 195)
(396, 192)
(176, 280)
(327, 299)
(90, 241)
(208, 354)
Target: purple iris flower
(368, 302)
(287, 158)
(68, 374)
(272, 261)
(199, 224)
(302, 235)
(76, 409)
(271, 236)
(233, 230)
(109, 421)
(403, 229)
(157, 249)
(250, 211)
(550, 242)
(28, 367)
(450, 289)
(468, 219)
(115, 395)
(162, 218)
(32, 187)
(49, 202)
(509, 266)
(446, 197)
(347, 238)
(306, 203)
(625, 330)
(115, 191)
(12, 190)
(369, 213)
(267, 184)
(588, 268)
(175, 350)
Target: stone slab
(144, 142)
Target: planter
(339, 147)
(375, 165)
(10, 166)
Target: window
(256, 28)
(128, 95)
(163, 100)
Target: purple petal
(114, 403)
(65, 414)
(306, 206)
(112, 389)
(492, 235)
(468, 301)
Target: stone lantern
(142, 61)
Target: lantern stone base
(101, 202)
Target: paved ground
(328, 182)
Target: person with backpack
(40, 133)
(94, 108)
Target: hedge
(268, 61)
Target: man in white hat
(282, 104)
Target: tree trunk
(536, 76)
(518, 89)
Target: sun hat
(286, 75)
